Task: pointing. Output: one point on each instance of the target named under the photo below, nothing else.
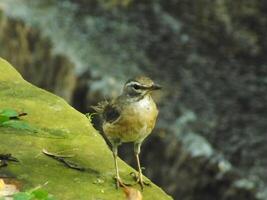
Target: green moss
(60, 128)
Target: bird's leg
(115, 155)
(119, 182)
(137, 148)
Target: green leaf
(22, 196)
(21, 125)
(50, 198)
(3, 118)
(40, 194)
(9, 112)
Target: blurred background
(210, 56)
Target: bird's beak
(155, 87)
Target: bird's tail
(100, 107)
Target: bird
(130, 117)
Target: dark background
(209, 55)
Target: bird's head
(139, 86)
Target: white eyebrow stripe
(133, 83)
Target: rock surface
(209, 55)
(61, 129)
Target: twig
(19, 115)
(4, 158)
(61, 158)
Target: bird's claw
(139, 180)
(120, 183)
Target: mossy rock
(57, 127)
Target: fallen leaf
(132, 193)
(2, 184)
(7, 189)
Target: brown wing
(111, 113)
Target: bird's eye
(136, 87)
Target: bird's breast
(136, 121)
(144, 110)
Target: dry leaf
(7, 189)
(2, 184)
(132, 193)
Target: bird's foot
(120, 183)
(139, 180)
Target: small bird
(130, 118)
